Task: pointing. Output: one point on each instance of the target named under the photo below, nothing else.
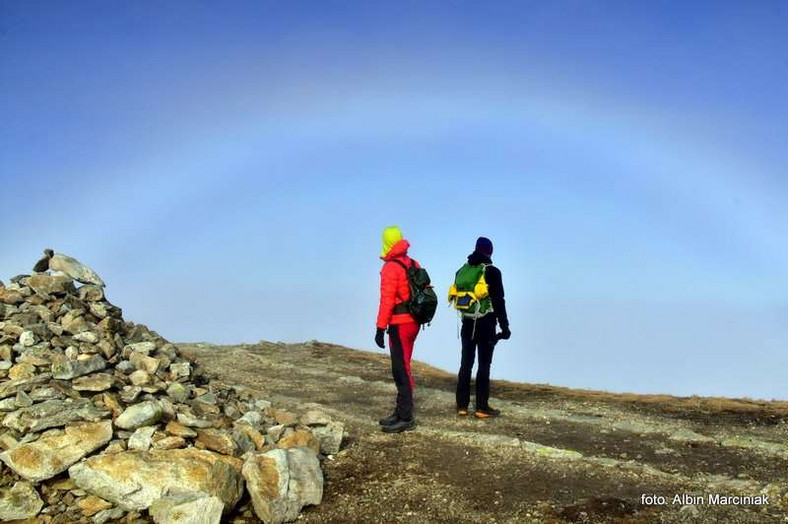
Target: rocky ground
(103, 420)
(555, 455)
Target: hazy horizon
(228, 171)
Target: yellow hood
(391, 235)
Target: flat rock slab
(51, 455)
(95, 382)
(19, 502)
(73, 268)
(66, 369)
(134, 480)
(52, 414)
(12, 387)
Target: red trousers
(401, 339)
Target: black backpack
(423, 300)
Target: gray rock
(46, 393)
(330, 437)
(74, 269)
(138, 415)
(192, 421)
(125, 367)
(144, 362)
(53, 413)
(140, 378)
(194, 508)
(275, 432)
(66, 369)
(86, 336)
(142, 439)
(53, 454)
(104, 310)
(130, 394)
(104, 516)
(90, 293)
(144, 348)
(74, 322)
(178, 392)
(281, 482)
(251, 418)
(315, 417)
(23, 400)
(134, 480)
(181, 369)
(27, 339)
(19, 502)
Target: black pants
(482, 338)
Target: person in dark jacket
(479, 335)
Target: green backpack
(469, 294)
(423, 300)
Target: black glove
(379, 338)
(504, 334)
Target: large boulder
(73, 268)
(50, 455)
(136, 479)
(281, 482)
(19, 502)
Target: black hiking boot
(487, 412)
(400, 426)
(391, 419)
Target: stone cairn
(102, 420)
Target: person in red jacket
(402, 328)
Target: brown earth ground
(555, 455)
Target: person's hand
(379, 338)
(504, 334)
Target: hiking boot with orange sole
(488, 412)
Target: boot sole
(387, 429)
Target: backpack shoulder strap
(401, 263)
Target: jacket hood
(476, 258)
(391, 235)
(397, 250)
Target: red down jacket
(394, 285)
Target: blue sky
(228, 170)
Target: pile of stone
(102, 420)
